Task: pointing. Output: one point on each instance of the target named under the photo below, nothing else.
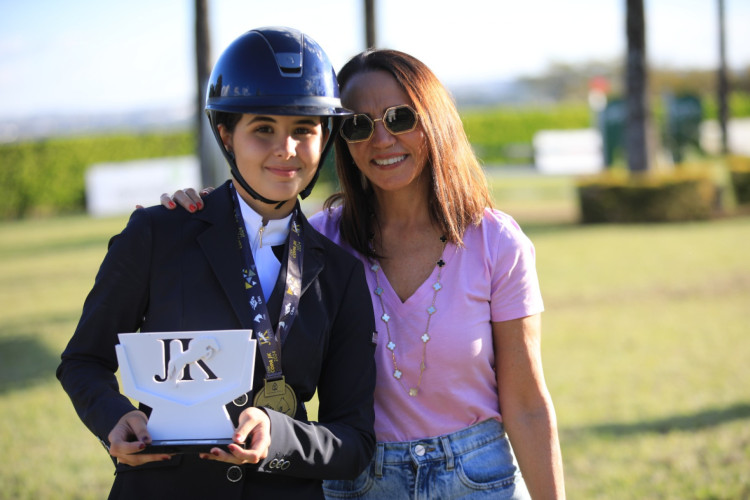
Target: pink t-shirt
(493, 278)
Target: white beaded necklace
(436, 287)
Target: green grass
(645, 350)
(646, 354)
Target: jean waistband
(438, 448)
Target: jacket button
(234, 473)
(240, 401)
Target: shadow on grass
(689, 422)
(24, 362)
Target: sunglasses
(396, 120)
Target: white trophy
(187, 378)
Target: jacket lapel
(313, 257)
(219, 244)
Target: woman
(274, 128)
(455, 293)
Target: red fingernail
(141, 446)
(172, 204)
(192, 208)
(200, 205)
(215, 453)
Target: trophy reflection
(187, 378)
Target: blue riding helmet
(274, 71)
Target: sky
(108, 56)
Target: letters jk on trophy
(187, 378)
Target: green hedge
(739, 106)
(504, 134)
(677, 196)
(739, 171)
(46, 177)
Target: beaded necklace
(436, 287)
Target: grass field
(645, 342)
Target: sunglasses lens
(400, 119)
(357, 128)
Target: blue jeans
(475, 462)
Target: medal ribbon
(269, 342)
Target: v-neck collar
(424, 291)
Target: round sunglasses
(396, 120)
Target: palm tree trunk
(636, 79)
(370, 40)
(209, 166)
(723, 84)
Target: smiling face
(390, 162)
(276, 155)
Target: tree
(723, 84)
(636, 81)
(370, 40)
(211, 163)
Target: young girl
(273, 105)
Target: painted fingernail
(172, 204)
(200, 205)
(141, 446)
(215, 453)
(192, 208)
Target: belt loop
(379, 453)
(449, 463)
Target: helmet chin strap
(303, 194)
(252, 192)
(242, 182)
(229, 155)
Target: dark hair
(458, 191)
(229, 120)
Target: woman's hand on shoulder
(129, 436)
(254, 431)
(188, 198)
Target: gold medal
(277, 395)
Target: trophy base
(187, 445)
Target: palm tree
(370, 40)
(636, 80)
(723, 84)
(210, 161)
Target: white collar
(275, 231)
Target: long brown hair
(458, 191)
